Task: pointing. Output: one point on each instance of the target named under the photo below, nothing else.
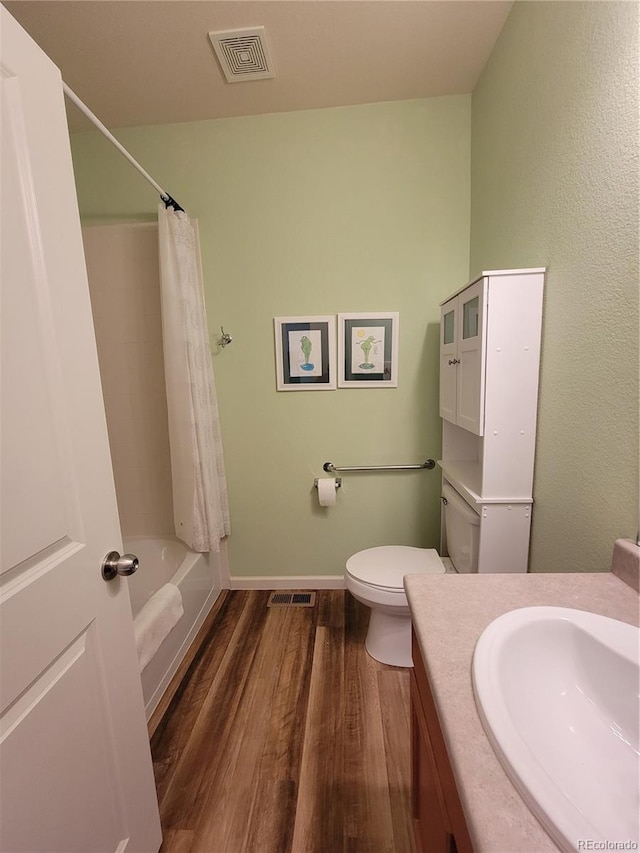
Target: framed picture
(368, 350)
(305, 353)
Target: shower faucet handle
(113, 564)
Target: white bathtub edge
(155, 698)
(224, 570)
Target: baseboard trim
(288, 582)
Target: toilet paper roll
(327, 491)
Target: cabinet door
(448, 359)
(471, 325)
(429, 815)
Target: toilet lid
(387, 565)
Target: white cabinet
(462, 357)
(489, 363)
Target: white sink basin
(557, 692)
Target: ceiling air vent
(243, 54)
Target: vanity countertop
(449, 612)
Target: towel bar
(330, 467)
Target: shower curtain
(200, 502)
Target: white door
(471, 357)
(75, 764)
(448, 359)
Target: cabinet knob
(454, 361)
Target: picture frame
(305, 353)
(368, 349)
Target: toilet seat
(384, 567)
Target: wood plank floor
(284, 736)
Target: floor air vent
(243, 54)
(292, 599)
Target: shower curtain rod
(164, 196)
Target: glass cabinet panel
(470, 314)
(448, 327)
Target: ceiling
(136, 62)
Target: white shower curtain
(200, 503)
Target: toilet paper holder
(338, 482)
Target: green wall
(351, 209)
(555, 183)
(367, 208)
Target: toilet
(375, 578)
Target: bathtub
(198, 578)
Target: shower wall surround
(122, 266)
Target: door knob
(113, 564)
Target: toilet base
(389, 638)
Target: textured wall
(555, 183)
(351, 209)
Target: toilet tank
(462, 527)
